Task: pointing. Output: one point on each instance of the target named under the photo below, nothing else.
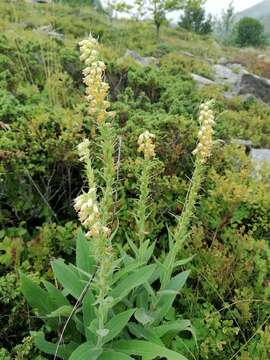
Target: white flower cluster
(146, 144)
(96, 88)
(83, 150)
(87, 207)
(205, 135)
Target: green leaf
(141, 332)
(84, 258)
(68, 278)
(167, 296)
(62, 311)
(45, 346)
(184, 261)
(88, 313)
(55, 295)
(146, 349)
(113, 355)
(36, 296)
(116, 324)
(174, 326)
(130, 282)
(127, 269)
(142, 317)
(86, 352)
(132, 245)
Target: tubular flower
(89, 215)
(88, 212)
(96, 88)
(205, 135)
(83, 150)
(146, 145)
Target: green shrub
(249, 32)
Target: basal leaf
(84, 258)
(36, 296)
(116, 324)
(55, 295)
(130, 282)
(47, 347)
(64, 311)
(167, 296)
(146, 349)
(174, 326)
(141, 332)
(113, 355)
(86, 351)
(88, 313)
(68, 278)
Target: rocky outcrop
(237, 81)
(202, 81)
(227, 75)
(256, 86)
(260, 157)
(144, 61)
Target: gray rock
(255, 85)
(202, 81)
(223, 61)
(246, 143)
(260, 155)
(226, 75)
(144, 61)
(260, 158)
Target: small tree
(195, 19)
(228, 18)
(224, 25)
(156, 9)
(250, 32)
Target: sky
(215, 6)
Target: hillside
(166, 252)
(260, 11)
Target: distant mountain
(260, 11)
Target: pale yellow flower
(96, 89)
(205, 135)
(146, 144)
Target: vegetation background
(43, 117)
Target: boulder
(202, 81)
(144, 61)
(256, 86)
(227, 75)
(260, 158)
(247, 144)
(223, 61)
(238, 82)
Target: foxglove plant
(114, 307)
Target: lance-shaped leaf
(146, 349)
(130, 282)
(117, 324)
(68, 278)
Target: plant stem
(181, 231)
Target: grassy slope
(164, 100)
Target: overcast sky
(215, 6)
